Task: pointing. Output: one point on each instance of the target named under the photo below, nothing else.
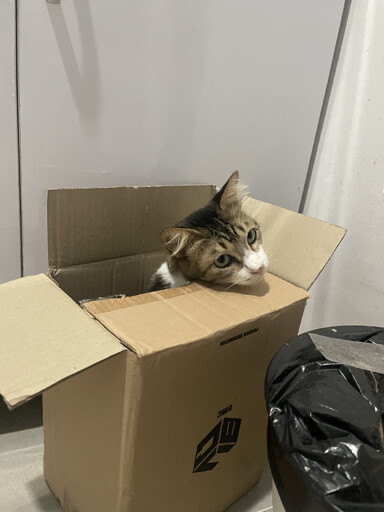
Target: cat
(218, 243)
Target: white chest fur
(174, 278)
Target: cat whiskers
(238, 282)
(269, 254)
(231, 285)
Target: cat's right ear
(229, 195)
(175, 239)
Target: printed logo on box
(221, 439)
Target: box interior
(104, 242)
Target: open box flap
(97, 224)
(298, 246)
(45, 337)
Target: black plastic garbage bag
(325, 429)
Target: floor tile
(258, 499)
(22, 485)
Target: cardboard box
(152, 402)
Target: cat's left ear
(175, 239)
(229, 195)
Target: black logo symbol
(221, 439)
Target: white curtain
(347, 187)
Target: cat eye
(251, 237)
(223, 261)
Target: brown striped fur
(219, 228)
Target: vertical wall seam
(324, 106)
(17, 93)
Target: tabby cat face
(218, 243)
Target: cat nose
(259, 270)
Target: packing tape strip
(366, 356)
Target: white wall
(9, 196)
(348, 182)
(173, 91)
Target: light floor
(22, 485)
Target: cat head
(219, 243)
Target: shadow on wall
(84, 79)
